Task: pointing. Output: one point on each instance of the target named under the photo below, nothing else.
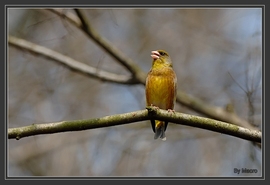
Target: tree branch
(141, 115)
(83, 24)
(214, 112)
(69, 62)
(183, 98)
(106, 45)
(139, 77)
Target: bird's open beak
(155, 54)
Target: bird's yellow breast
(161, 88)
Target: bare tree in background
(217, 58)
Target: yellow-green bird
(160, 88)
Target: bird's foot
(155, 107)
(171, 110)
(152, 108)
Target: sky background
(217, 56)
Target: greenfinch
(161, 88)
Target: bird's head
(161, 59)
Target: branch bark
(141, 115)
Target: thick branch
(69, 62)
(120, 119)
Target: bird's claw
(155, 107)
(171, 110)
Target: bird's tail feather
(160, 130)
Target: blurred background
(217, 55)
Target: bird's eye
(161, 53)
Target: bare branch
(212, 111)
(84, 25)
(106, 45)
(183, 98)
(139, 76)
(141, 115)
(71, 17)
(69, 62)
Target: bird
(160, 89)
